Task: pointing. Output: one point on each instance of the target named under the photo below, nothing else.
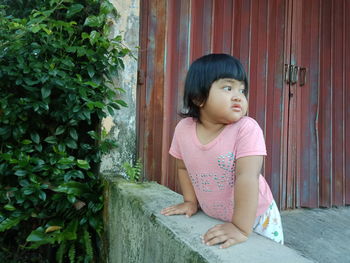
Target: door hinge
(140, 77)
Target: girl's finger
(228, 243)
(172, 211)
(167, 209)
(212, 233)
(216, 240)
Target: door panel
(317, 109)
(305, 126)
(253, 31)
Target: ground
(322, 235)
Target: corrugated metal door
(269, 37)
(318, 164)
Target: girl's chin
(233, 120)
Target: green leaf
(42, 195)
(39, 147)
(74, 9)
(122, 103)
(106, 7)
(71, 144)
(51, 140)
(23, 183)
(45, 92)
(61, 252)
(94, 21)
(91, 70)
(11, 222)
(99, 104)
(59, 130)
(4, 130)
(26, 142)
(68, 62)
(35, 28)
(84, 35)
(9, 207)
(92, 84)
(94, 36)
(20, 172)
(88, 244)
(37, 235)
(83, 164)
(71, 198)
(110, 110)
(72, 188)
(69, 160)
(61, 147)
(71, 253)
(27, 191)
(35, 137)
(73, 134)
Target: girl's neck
(210, 126)
(207, 131)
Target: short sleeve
(175, 148)
(250, 140)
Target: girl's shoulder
(246, 125)
(246, 122)
(185, 123)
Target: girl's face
(226, 102)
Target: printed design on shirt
(202, 182)
(216, 182)
(218, 209)
(226, 162)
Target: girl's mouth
(236, 107)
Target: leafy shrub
(133, 172)
(56, 68)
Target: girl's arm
(246, 194)
(190, 204)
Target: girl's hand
(227, 233)
(186, 208)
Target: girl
(219, 154)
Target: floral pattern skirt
(269, 224)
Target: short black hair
(201, 75)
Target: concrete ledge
(137, 232)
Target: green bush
(56, 68)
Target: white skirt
(269, 224)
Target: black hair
(201, 75)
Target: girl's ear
(198, 103)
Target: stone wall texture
(137, 232)
(122, 126)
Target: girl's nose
(235, 98)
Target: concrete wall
(137, 232)
(122, 126)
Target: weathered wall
(122, 126)
(137, 232)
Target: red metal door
(304, 166)
(317, 172)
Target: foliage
(133, 172)
(56, 68)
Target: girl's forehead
(229, 81)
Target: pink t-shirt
(211, 167)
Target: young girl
(219, 154)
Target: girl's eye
(241, 91)
(227, 88)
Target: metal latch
(291, 75)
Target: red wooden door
(265, 35)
